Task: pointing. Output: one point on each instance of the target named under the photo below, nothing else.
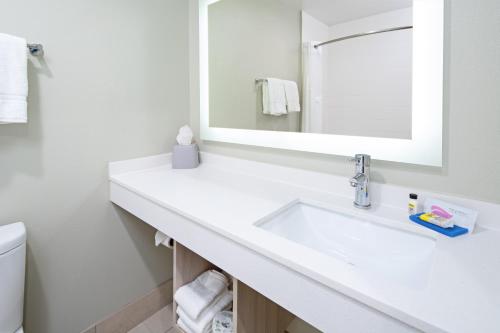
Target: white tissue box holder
(185, 157)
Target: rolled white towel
(204, 323)
(197, 295)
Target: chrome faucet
(361, 181)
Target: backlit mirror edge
(425, 147)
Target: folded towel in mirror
(292, 96)
(273, 97)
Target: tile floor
(160, 322)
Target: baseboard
(135, 312)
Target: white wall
(113, 85)
(313, 29)
(471, 113)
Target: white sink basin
(367, 245)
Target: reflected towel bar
(363, 34)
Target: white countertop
(461, 291)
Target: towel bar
(35, 49)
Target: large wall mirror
(329, 76)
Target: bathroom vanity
(369, 81)
(295, 246)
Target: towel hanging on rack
(273, 97)
(14, 82)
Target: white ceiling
(333, 12)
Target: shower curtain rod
(363, 34)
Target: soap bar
(450, 232)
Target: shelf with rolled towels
(200, 300)
(201, 290)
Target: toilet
(12, 267)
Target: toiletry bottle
(413, 204)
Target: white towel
(204, 323)
(183, 326)
(273, 97)
(197, 295)
(292, 96)
(13, 79)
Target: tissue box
(185, 157)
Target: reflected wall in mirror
(339, 67)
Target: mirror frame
(425, 147)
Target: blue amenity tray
(450, 232)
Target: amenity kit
(448, 219)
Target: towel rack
(257, 81)
(35, 49)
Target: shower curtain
(312, 75)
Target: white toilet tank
(12, 266)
